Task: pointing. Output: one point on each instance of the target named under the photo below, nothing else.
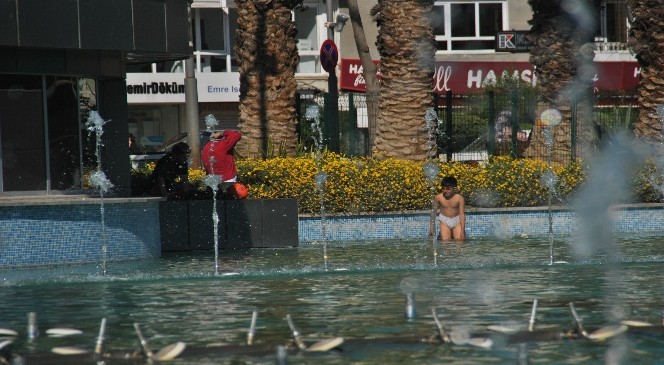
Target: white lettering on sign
(441, 78)
(357, 69)
(354, 69)
(637, 71)
(474, 78)
(490, 78)
(359, 80)
(529, 77)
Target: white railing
(602, 46)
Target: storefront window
(40, 132)
(87, 98)
(63, 132)
(22, 129)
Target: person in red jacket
(218, 157)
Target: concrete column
(191, 112)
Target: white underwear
(449, 221)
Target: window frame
(447, 37)
(321, 36)
(603, 30)
(225, 53)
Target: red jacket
(217, 155)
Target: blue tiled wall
(644, 219)
(38, 235)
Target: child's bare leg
(445, 232)
(458, 233)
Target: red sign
(329, 55)
(461, 77)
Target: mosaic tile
(42, 235)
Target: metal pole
(191, 112)
(448, 124)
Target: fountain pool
(360, 297)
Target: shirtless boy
(451, 212)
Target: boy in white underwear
(451, 212)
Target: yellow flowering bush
(141, 179)
(360, 184)
(648, 182)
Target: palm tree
(647, 42)
(370, 71)
(562, 32)
(407, 47)
(266, 52)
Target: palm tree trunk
(647, 41)
(562, 55)
(266, 51)
(407, 51)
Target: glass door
(22, 133)
(40, 133)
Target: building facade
(59, 60)
(466, 60)
(155, 92)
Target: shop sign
(513, 41)
(461, 77)
(168, 88)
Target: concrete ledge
(70, 200)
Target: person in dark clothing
(170, 176)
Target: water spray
(33, 332)
(431, 171)
(100, 339)
(212, 181)
(252, 328)
(95, 124)
(411, 312)
(550, 118)
(282, 355)
(312, 114)
(533, 313)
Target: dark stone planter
(248, 223)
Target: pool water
(359, 295)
